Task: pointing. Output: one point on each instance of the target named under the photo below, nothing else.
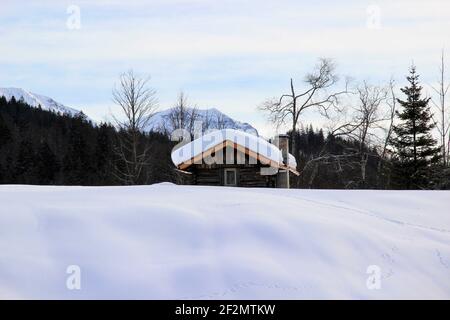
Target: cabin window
(230, 177)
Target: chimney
(283, 174)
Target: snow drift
(174, 242)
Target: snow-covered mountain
(212, 118)
(36, 100)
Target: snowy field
(180, 242)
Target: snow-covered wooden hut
(235, 158)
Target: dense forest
(42, 147)
(328, 162)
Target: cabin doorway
(230, 177)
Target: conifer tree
(415, 148)
(46, 164)
(5, 133)
(24, 170)
(76, 162)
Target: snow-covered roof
(210, 140)
(292, 163)
(258, 146)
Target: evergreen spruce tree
(5, 133)
(415, 148)
(104, 154)
(76, 161)
(25, 172)
(46, 164)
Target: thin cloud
(217, 50)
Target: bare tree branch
(290, 106)
(443, 122)
(138, 104)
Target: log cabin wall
(246, 175)
(247, 172)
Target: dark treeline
(42, 147)
(329, 162)
(326, 161)
(408, 157)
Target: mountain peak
(212, 116)
(35, 100)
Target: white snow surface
(205, 142)
(174, 242)
(35, 100)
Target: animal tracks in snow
(368, 213)
(445, 262)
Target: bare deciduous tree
(291, 105)
(182, 116)
(361, 123)
(391, 102)
(369, 119)
(138, 103)
(443, 122)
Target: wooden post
(283, 175)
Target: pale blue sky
(229, 54)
